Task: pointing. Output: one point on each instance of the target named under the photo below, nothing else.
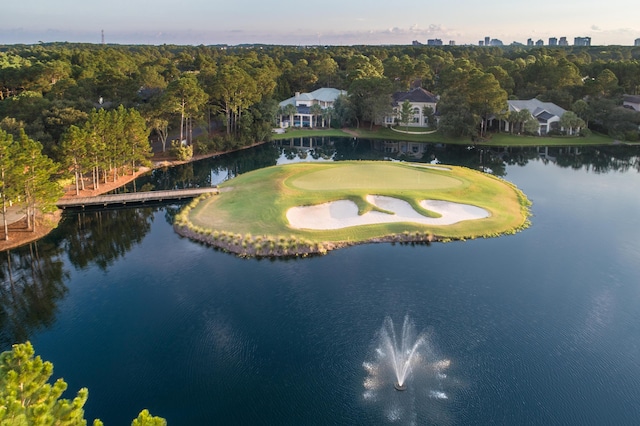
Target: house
(547, 113)
(419, 99)
(631, 102)
(325, 97)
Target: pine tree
(27, 398)
(7, 172)
(40, 192)
(74, 151)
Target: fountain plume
(405, 361)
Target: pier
(132, 198)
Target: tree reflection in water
(33, 277)
(100, 237)
(32, 281)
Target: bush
(585, 133)
(181, 152)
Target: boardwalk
(132, 198)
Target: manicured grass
(309, 133)
(505, 139)
(494, 139)
(255, 204)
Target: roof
(327, 94)
(633, 99)
(544, 116)
(537, 108)
(415, 96)
(324, 94)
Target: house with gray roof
(547, 113)
(631, 102)
(325, 97)
(419, 98)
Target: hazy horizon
(376, 22)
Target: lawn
(494, 139)
(250, 210)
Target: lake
(541, 327)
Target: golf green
(303, 208)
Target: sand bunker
(344, 213)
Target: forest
(92, 111)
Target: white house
(419, 99)
(547, 113)
(631, 102)
(325, 97)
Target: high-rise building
(481, 43)
(540, 43)
(563, 41)
(529, 42)
(434, 42)
(553, 41)
(487, 41)
(452, 42)
(582, 41)
(637, 42)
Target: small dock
(132, 198)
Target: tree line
(191, 90)
(92, 108)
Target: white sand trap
(344, 213)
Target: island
(300, 209)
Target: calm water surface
(542, 327)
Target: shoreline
(239, 247)
(315, 228)
(46, 223)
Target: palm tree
(315, 110)
(290, 110)
(327, 114)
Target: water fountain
(401, 354)
(405, 361)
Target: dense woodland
(93, 109)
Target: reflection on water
(100, 237)
(32, 281)
(542, 327)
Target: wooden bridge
(132, 198)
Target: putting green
(374, 176)
(265, 212)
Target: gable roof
(324, 94)
(633, 99)
(537, 108)
(415, 96)
(327, 94)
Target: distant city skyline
(331, 23)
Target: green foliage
(406, 113)
(27, 397)
(146, 419)
(180, 151)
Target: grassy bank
(496, 139)
(248, 217)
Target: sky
(327, 22)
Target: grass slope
(496, 139)
(249, 214)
